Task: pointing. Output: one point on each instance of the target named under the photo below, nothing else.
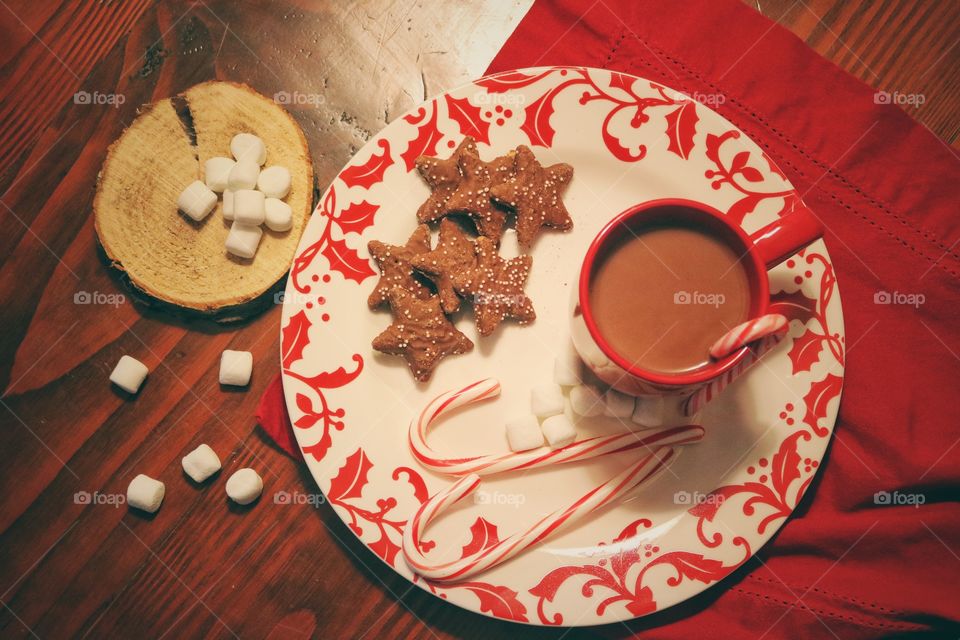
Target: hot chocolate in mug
(665, 279)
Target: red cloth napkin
(887, 191)
(275, 421)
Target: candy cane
(498, 463)
(747, 332)
(707, 393)
(633, 476)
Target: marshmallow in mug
(201, 463)
(236, 367)
(244, 486)
(274, 182)
(523, 433)
(246, 146)
(145, 493)
(129, 374)
(197, 200)
(216, 173)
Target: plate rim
(292, 304)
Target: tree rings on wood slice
(168, 259)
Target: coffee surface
(663, 295)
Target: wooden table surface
(71, 566)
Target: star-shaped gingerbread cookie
(535, 193)
(443, 176)
(454, 253)
(421, 333)
(395, 267)
(473, 195)
(495, 286)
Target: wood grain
(201, 566)
(905, 47)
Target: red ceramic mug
(760, 252)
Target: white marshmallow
(546, 400)
(509, 244)
(228, 199)
(197, 200)
(129, 374)
(274, 182)
(559, 431)
(246, 146)
(523, 433)
(585, 401)
(249, 207)
(594, 356)
(617, 404)
(649, 411)
(568, 367)
(244, 486)
(216, 172)
(236, 367)
(277, 214)
(243, 239)
(201, 463)
(243, 175)
(145, 493)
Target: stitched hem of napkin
(827, 594)
(926, 234)
(828, 613)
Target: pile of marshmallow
(548, 416)
(243, 486)
(251, 196)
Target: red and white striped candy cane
(707, 393)
(633, 476)
(500, 462)
(747, 332)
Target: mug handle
(784, 237)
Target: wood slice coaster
(165, 257)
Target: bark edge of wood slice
(168, 260)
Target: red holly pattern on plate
(629, 140)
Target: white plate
(629, 140)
